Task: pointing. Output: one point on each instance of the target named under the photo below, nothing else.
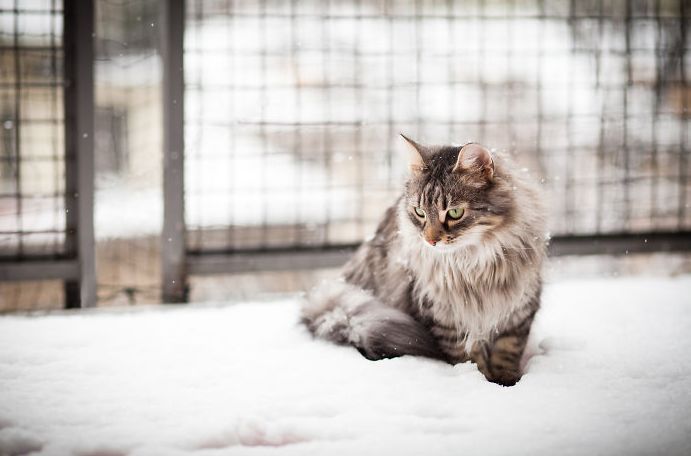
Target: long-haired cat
(453, 272)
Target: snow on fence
(291, 111)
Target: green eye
(455, 213)
(420, 213)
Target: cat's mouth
(441, 246)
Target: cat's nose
(432, 242)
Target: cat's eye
(455, 213)
(420, 213)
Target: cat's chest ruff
(445, 293)
(456, 291)
(444, 278)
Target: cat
(453, 271)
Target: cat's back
(378, 265)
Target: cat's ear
(416, 154)
(476, 159)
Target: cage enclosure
(249, 136)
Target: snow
(607, 373)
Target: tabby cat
(453, 271)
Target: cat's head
(455, 195)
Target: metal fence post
(173, 262)
(79, 149)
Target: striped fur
(470, 296)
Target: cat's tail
(346, 314)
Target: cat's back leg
(347, 314)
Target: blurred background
(290, 122)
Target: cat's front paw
(504, 378)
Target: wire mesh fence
(292, 110)
(32, 163)
(291, 115)
(32, 192)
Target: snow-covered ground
(608, 373)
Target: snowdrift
(608, 372)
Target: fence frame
(173, 261)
